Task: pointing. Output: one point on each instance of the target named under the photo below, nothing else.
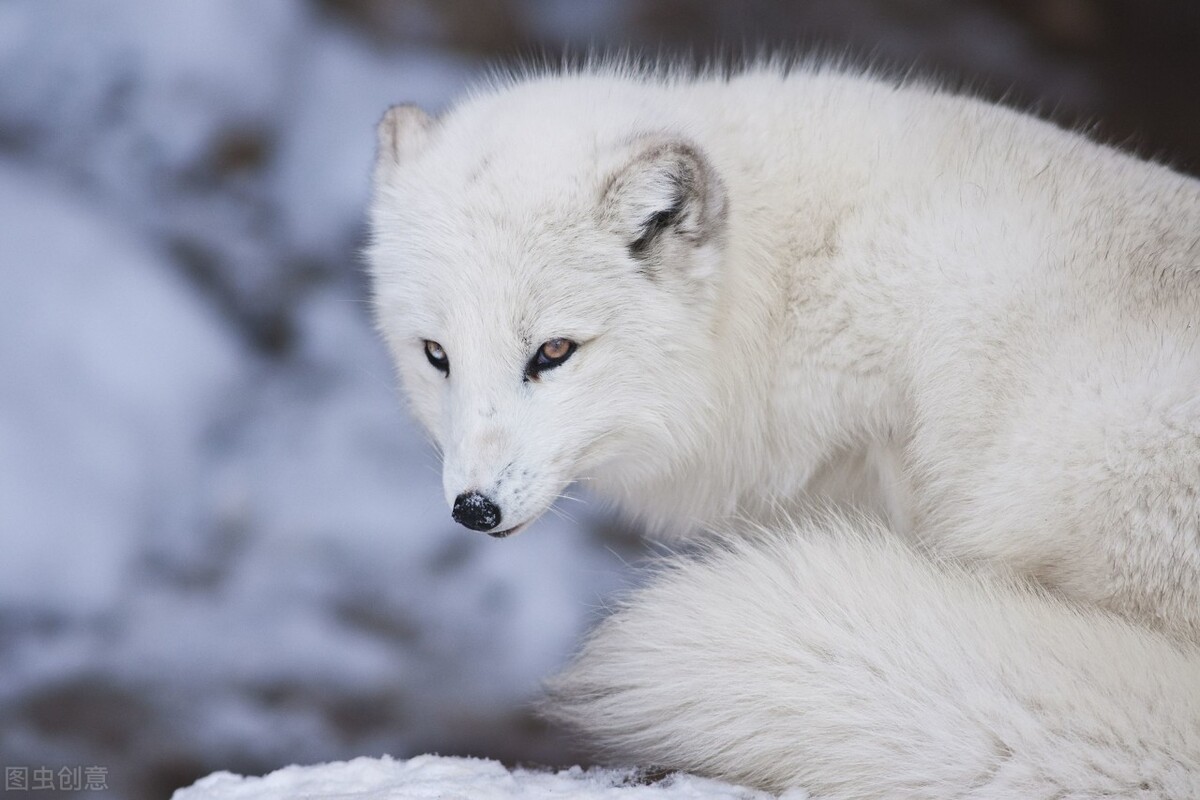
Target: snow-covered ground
(222, 540)
(441, 778)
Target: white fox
(969, 337)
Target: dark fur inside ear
(666, 186)
(658, 222)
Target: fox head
(547, 279)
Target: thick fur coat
(968, 337)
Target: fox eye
(549, 356)
(437, 356)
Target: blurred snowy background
(222, 542)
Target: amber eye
(437, 356)
(556, 349)
(549, 356)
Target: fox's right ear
(402, 133)
(665, 190)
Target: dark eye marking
(437, 356)
(548, 356)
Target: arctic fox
(939, 362)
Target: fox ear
(402, 134)
(665, 190)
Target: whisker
(563, 515)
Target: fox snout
(498, 502)
(476, 511)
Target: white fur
(852, 666)
(971, 323)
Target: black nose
(475, 511)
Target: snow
(461, 778)
(116, 85)
(163, 112)
(102, 408)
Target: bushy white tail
(839, 660)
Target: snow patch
(110, 365)
(453, 778)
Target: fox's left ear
(665, 191)
(402, 133)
